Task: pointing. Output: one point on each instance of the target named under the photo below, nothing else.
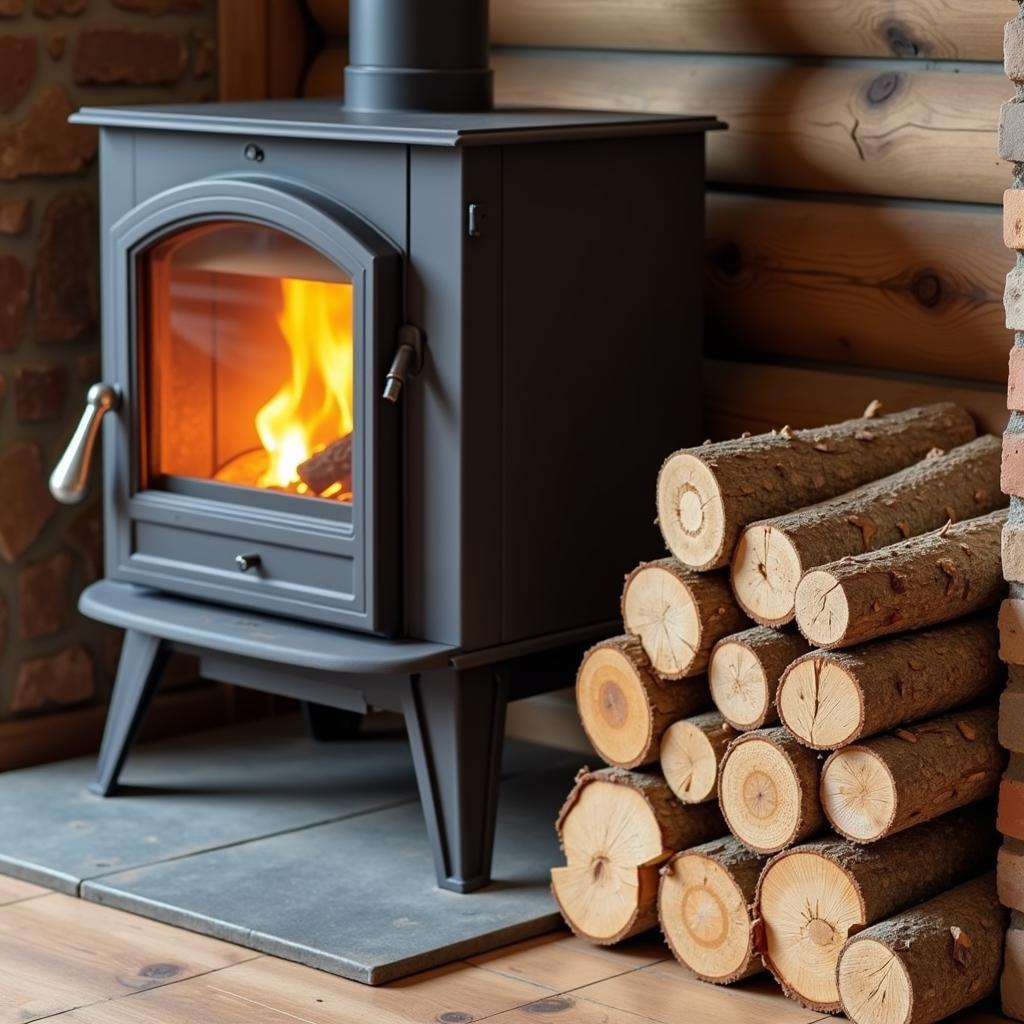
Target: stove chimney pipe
(419, 55)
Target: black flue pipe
(430, 55)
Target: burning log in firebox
(331, 466)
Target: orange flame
(314, 407)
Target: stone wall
(57, 55)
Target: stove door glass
(247, 362)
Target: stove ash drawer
(277, 576)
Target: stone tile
(27, 506)
(40, 392)
(43, 142)
(44, 596)
(14, 216)
(1013, 50)
(19, 59)
(55, 8)
(67, 271)
(56, 681)
(14, 296)
(129, 56)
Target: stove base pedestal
(454, 705)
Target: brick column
(1011, 615)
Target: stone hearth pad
(313, 852)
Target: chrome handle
(407, 362)
(70, 477)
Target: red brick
(1010, 876)
(43, 142)
(13, 301)
(1011, 631)
(129, 56)
(67, 269)
(53, 8)
(154, 7)
(85, 536)
(65, 678)
(19, 58)
(1012, 476)
(27, 506)
(1011, 808)
(40, 393)
(14, 215)
(44, 596)
(11, 8)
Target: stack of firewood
(800, 721)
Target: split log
(768, 790)
(772, 556)
(927, 963)
(828, 699)
(744, 674)
(918, 582)
(691, 752)
(707, 495)
(625, 708)
(704, 906)
(678, 615)
(333, 465)
(811, 898)
(875, 789)
(616, 829)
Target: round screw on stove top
(253, 152)
(247, 562)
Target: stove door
(258, 460)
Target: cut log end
(689, 759)
(739, 686)
(613, 845)
(761, 795)
(766, 569)
(658, 607)
(822, 609)
(874, 985)
(820, 703)
(613, 707)
(805, 933)
(691, 513)
(858, 794)
(705, 919)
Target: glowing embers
(305, 429)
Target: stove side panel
(602, 269)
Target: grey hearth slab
(357, 897)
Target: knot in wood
(883, 87)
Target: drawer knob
(247, 562)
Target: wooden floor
(77, 963)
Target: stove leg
(143, 658)
(456, 725)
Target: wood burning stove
(387, 387)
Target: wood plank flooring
(72, 962)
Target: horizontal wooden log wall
(853, 241)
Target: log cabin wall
(854, 247)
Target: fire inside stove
(249, 362)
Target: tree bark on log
(616, 829)
(691, 753)
(773, 555)
(927, 963)
(678, 615)
(704, 906)
(768, 791)
(918, 582)
(828, 699)
(811, 897)
(625, 708)
(872, 790)
(707, 495)
(744, 673)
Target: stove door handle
(70, 477)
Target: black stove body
(499, 312)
